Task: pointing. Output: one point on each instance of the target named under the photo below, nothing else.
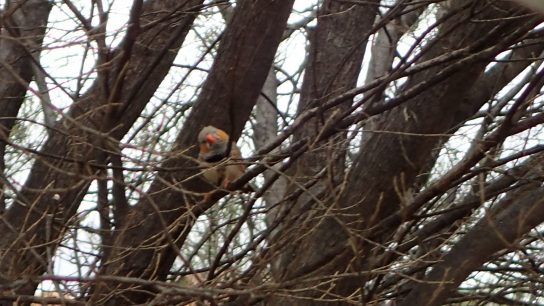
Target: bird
(220, 168)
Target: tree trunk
(147, 245)
(23, 28)
(77, 149)
(337, 48)
(517, 213)
(395, 152)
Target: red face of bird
(212, 142)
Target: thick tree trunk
(147, 245)
(23, 28)
(77, 148)
(344, 227)
(517, 213)
(396, 152)
(337, 48)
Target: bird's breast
(214, 174)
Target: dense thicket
(395, 147)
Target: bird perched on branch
(220, 168)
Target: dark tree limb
(383, 176)
(57, 186)
(21, 35)
(157, 226)
(519, 212)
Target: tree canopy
(394, 146)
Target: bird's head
(213, 144)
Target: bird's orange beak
(210, 139)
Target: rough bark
(435, 232)
(337, 48)
(157, 226)
(419, 116)
(393, 155)
(80, 143)
(517, 213)
(336, 237)
(21, 36)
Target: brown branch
(519, 212)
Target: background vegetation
(396, 146)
